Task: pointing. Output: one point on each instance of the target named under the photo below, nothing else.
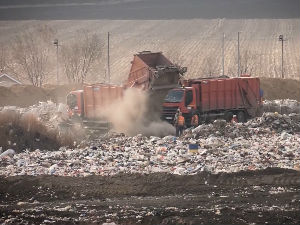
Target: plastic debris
(47, 112)
(284, 106)
(8, 152)
(272, 140)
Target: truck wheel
(228, 116)
(241, 117)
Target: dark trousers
(179, 130)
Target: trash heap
(221, 147)
(49, 113)
(289, 123)
(266, 123)
(282, 106)
(38, 126)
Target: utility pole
(108, 65)
(238, 56)
(55, 42)
(282, 40)
(223, 56)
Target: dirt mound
(27, 95)
(58, 93)
(236, 198)
(276, 88)
(124, 185)
(22, 95)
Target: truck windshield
(71, 101)
(174, 96)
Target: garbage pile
(220, 147)
(265, 124)
(49, 113)
(289, 123)
(36, 127)
(283, 106)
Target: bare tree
(3, 59)
(248, 62)
(79, 56)
(30, 52)
(209, 67)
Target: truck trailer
(211, 98)
(86, 105)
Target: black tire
(241, 117)
(228, 116)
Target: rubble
(49, 113)
(42, 126)
(8, 152)
(282, 106)
(272, 140)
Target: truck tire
(241, 117)
(228, 116)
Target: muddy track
(271, 195)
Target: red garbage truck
(212, 98)
(86, 105)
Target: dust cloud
(130, 115)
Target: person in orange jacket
(179, 123)
(195, 120)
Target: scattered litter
(284, 106)
(8, 152)
(272, 140)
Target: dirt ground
(269, 196)
(276, 88)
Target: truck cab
(75, 103)
(183, 98)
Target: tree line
(29, 56)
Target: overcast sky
(148, 9)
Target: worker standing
(234, 119)
(176, 117)
(179, 123)
(195, 120)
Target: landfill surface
(238, 174)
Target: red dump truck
(154, 73)
(151, 72)
(213, 98)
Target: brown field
(195, 43)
